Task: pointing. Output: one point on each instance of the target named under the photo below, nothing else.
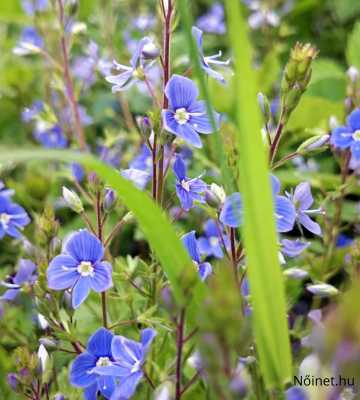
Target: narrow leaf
(265, 277)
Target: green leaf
(353, 47)
(265, 276)
(152, 220)
(346, 9)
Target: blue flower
(344, 137)
(138, 177)
(82, 372)
(129, 357)
(26, 274)
(302, 200)
(143, 160)
(50, 138)
(213, 20)
(293, 248)
(132, 74)
(343, 240)
(187, 190)
(110, 155)
(211, 243)
(232, 210)
(206, 61)
(13, 218)
(186, 117)
(191, 245)
(80, 267)
(77, 172)
(30, 42)
(4, 191)
(261, 15)
(30, 113)
(33, 6)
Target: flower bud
(215, 195)
(313, 143)
(265, 106)
(72, 200)
(150, 51)
(12, 381)
(43, 357)
(109, 199)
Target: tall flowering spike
(133, 73)
(348, 137)
(80, 267)
(191, 245)
(303, 200)
(128, 360)
(188, 190)
(186, 117)
(206, 62)
(82, 371)
(13, 218)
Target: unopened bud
(215, 195)
(109, 199)
(313, 143)
(150, 51)
(333, 122)
(265, 106)
(72, 200)
(43, 356)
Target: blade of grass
(217, 151)
(153, 221)
(265, 277)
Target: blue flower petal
(285, 214)
(127, 386)
(125, 349)
(293, 248)
(115, 369)
(25, 272)
(99, 343)
(62, 272)
(355, 149)
(106, 385)
(184, 197)
(201, 121)
(205, 269)
(179, 168)
(181, 92)
(188, 133)
(309, 224)
(90, 393)
(10, 295)
(190, 243)
(296, 393)
(147, 336)
(231, 213)
(80, 375)
(102, 279)
(354, 120)
(84, 246)
(80, 291)
(302, 196)
(341, 137)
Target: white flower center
(214, 241)
(356, 135)
(85, 268)
(182, 116)
(136, 367)
(103, 362)
(138, 73)
(185, 185)
(5, 219)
